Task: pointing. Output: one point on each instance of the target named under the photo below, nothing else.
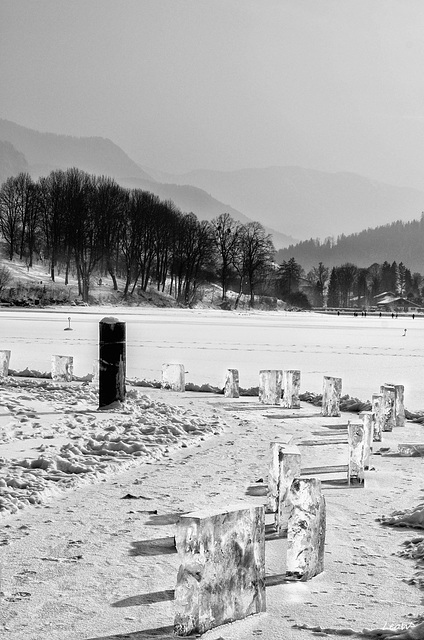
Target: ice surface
(364, 352)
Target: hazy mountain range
(12, 161)
(308, 203)
(291, 202)
(47, 151)
(40, 153)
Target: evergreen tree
(333, 299)
(289, 274)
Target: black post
(112, 360)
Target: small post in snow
(112, 362)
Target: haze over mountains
(12, 161)
(291, 202)
(308, 203)
(397, 241)
(40, 153)
(47, 151)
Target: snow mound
(140, 430)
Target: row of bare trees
(90, 226)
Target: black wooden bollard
(112, 360)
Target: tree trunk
(239, 293)
(127, 283)
(85, 287)
(252, 295)
(223, 280)
(79, 280)
(114, 280)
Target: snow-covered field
(364, 352)
(90, 498)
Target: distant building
(390, 302)
(385, 294)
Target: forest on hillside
(398, 241)
(88, 226)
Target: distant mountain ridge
(204, 205)
(308, 203)
(187, 198)
(290, 202)
(47, 151)
(12, 161)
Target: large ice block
(270, 386)
(173, 377)
(222, 573)
(332, 389)
(357, 445)
(378, 413)
(4, 363)
(283, 469)
(399, 404)
(367, 421)
(231, 386)
(291, 388)
(306, 531)
(62, 368)
(389, 406)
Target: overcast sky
(336, 85)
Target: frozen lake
(365, 352)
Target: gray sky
(336, 85)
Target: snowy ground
(89, 499)
(364, 352)
(95, 560)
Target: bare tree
(5, 278)
(150, 207)
(85, 231)
(165, 224)
(226, 231)
(317, 279)
(110, 203)
(346, 275)
(254, 256)
(131, 237)
(53, 217)
(10, 215)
